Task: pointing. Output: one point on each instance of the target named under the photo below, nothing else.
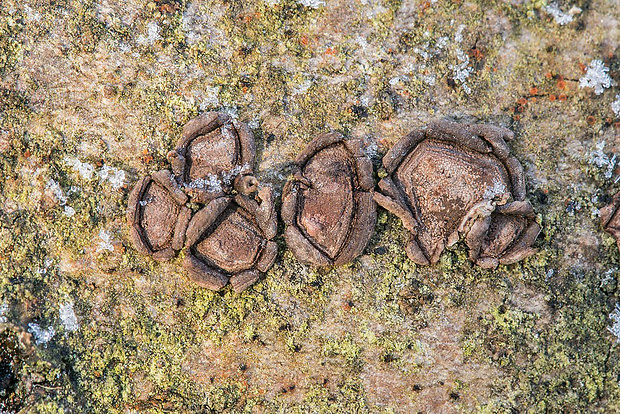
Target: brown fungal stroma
(231, 238)
(327, 206)
(157, 215)
(610, 219)
(211, 153)
(452, 180)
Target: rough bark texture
(94, 94)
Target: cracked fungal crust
(231, 240)
(157, 215)
(610, 219)
(211, 152)
(452, 180)
(327, 206)
(228, 239)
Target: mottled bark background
(93, 94)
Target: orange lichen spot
(562, 98)
(617, 125)
(330, 51)
(548, 75)
(517, 117)
(244, 89)
(146, 157)
(519, 109)
(533, 90)
(522, 101)
(533, 99)
(561, 84)
(552, 97)
(347, 305)
(167, 8)
(475, 53)
(582, 67)
(27, 153)
(304, 40)
(384, 143)
(426, 5)
(591, 120)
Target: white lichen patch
(462, 70)
(458, 36)
(68, 318)
(560, 16)
(55, 188)
(615, 106)
(41, 336)
(227, 131)
(229, 176)
(608, 278)
(84, 169)
(231, 111)
(114, 176)
(597, 77)
(69, 211)
(200, 23)
(302, 88)
(152, 34)
(211, 184)
(31, 15)
(59, 195)
(105, 241)
(214, 183)
(498, 188)
(4, 308)
(615, 327)
(148, 199)
(430, 80)
(315, 4)
(47, 264)
(209, 98)
(602, 160)
(371, 151)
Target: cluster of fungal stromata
(446, 182)
(229, 239)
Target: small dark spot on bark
(541, 196)
(605, 199)
(388, 357)
(360, 111)
(381, 250)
